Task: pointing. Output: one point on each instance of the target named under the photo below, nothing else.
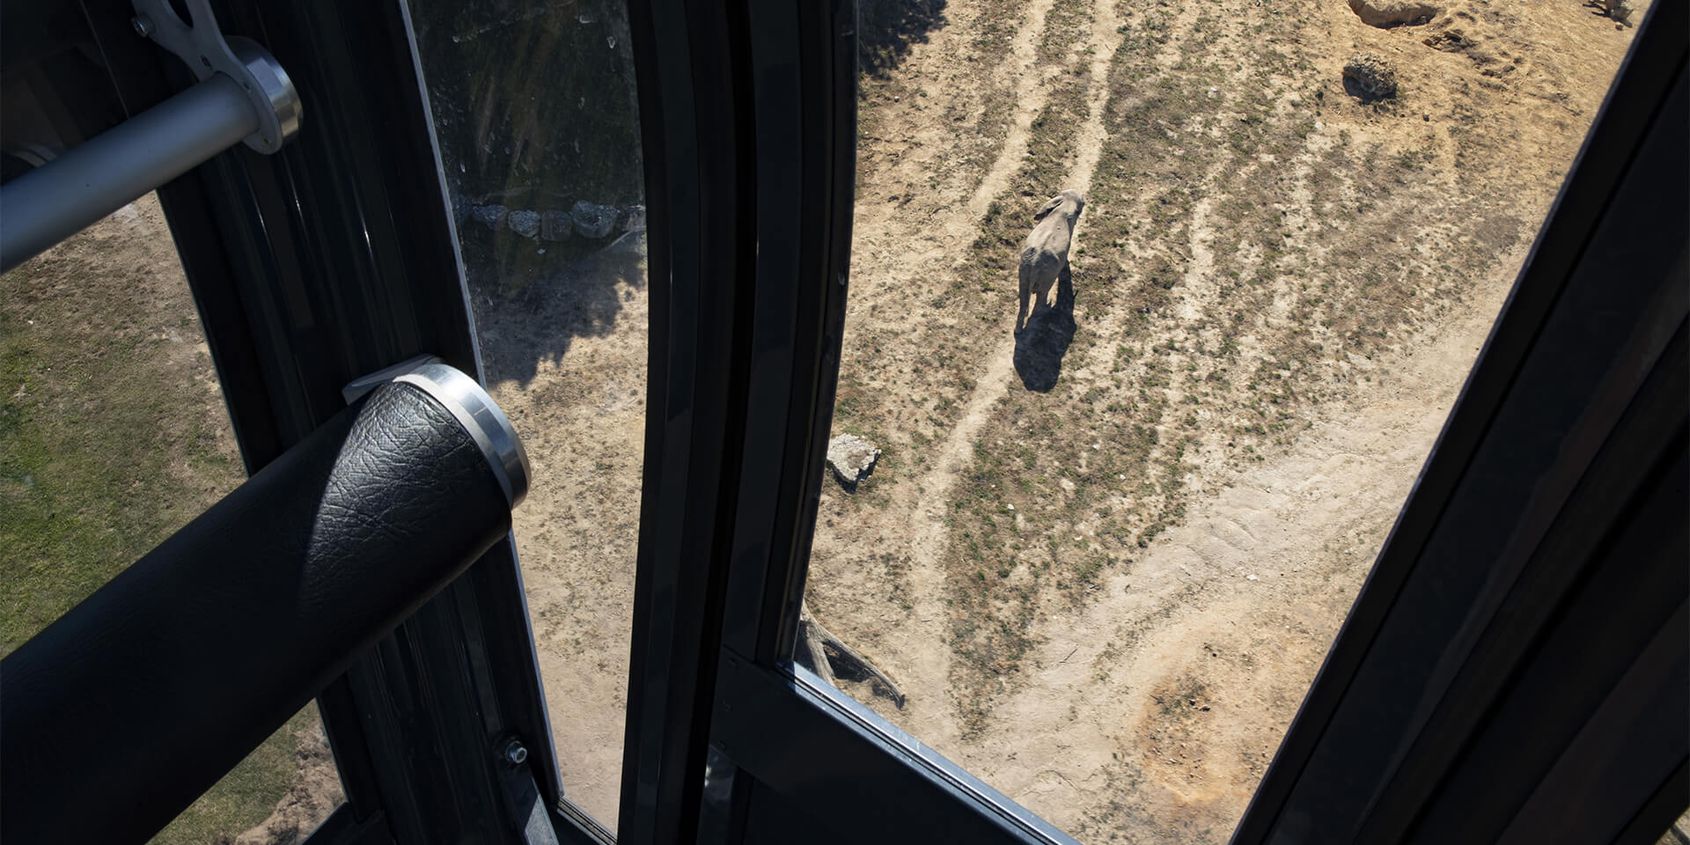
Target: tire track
(927, 497)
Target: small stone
(555, 225)
(491, 216)
(525, 223)
(592, 220)
(852, 459)
(1249, 577)
(633, 220)
(1369, 78)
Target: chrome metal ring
(200, 44)
(272, 94)
(481, 418)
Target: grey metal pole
(99, 176)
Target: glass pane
(535, 111)
(1097, 558)
(113, 435)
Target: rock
(555, 225)
(1368, 77)
(593, 220)
(852, 459)
(1388, 13)
(525, 223)
(634, 219)
(1450, 41)
(491, 216)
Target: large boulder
(852, 459)
(592, 220)
(1389, 13)
(524, 222)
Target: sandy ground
(1147, 708)
(580, 406)
(313, 794)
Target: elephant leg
(1026, 294)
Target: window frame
(749, 260)
(332, 259)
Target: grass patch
(112, 436)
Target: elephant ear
(1047, 209)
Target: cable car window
(1155, 311)
(534, 108)
(113, 435)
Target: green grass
(109, 441)
(97, 461)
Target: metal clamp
(199, 43)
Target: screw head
(514, 753)
(143, 25)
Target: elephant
(1045, 254)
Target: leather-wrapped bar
(118, 715)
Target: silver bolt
(143, 25)
(515, 753)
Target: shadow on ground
(887, 28)
(1041, 346)
(537, 323)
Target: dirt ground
(1105, 558)
(580, 408)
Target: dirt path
(1224, 618)
(1030, 90)
(926, 498)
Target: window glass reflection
(534, 108)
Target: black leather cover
(121, 713)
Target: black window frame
(332, 259)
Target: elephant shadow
(1041, 345)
